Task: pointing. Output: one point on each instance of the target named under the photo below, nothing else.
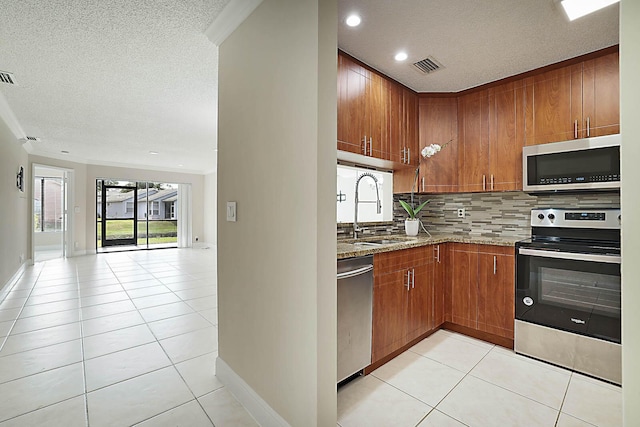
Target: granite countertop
(349, 248)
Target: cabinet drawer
(389, 262)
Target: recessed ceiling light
(578, 8)
(353, 20)
(180, 166)
(154, 152)
(401, 56)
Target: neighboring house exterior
(153, 204)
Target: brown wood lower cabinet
(482, 288)
(402, 298)
(465, 287)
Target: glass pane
(595, 292)
(142, 231)
(119, 229)
(163, 231)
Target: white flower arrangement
(430, 150)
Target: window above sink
(345, 195)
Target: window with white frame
(367, 211)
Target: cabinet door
(601, 96)
(441, 285)
(496, 305)
(396, 120)
(464, 287)
(554, 106)
(420, 313)
(438, 124)
(473, 134)
(376, 116)
(343, 104)
(506, 137)
(389, 313)
(356, 105)
(410, 102)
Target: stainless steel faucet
(377, 202)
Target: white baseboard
(79, 253)
(260, 410)
(6, 287)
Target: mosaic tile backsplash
(487, 214)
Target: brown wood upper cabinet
(376, 116)
(402, 298)
(438, 124)
(491, 135)
(577, 101)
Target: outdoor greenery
(159, 231)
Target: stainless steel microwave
(590, 164)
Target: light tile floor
(451, 380)
(130, 338)
(114, 339)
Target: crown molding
(233, 14)
(6, 113)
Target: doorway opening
(50, 219)
(133, 215)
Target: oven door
(575, 292)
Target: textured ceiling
(111, 80)
(477, 41)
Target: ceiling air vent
(7, 78)
(30, 139)
(428, 65)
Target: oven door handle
(609, 259)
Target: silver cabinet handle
(413, 278)
(370, 145)
(438, 254)
(408, 279)
(495, 266)
(409, 151)
(588, 126)
(404, 155)
(364, 148)
(423, 184)
(484, 182)
(491, 182)
(575, 129)
(609, 259)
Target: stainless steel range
(568, 291)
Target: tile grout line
(173, 364)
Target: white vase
(411, 226)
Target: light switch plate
(231, 211)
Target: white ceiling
(111, 80)
(477, 41)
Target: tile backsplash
(487, 214)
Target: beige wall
(630, 201)
(83, 195)
(276, 264)
(210, 208)
(14, 207)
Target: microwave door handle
(609, 259)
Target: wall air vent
(7, 78)
(428, 65)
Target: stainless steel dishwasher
(355, 299)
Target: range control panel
(576, 218)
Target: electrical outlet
(461, 213)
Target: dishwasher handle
(356, 272)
